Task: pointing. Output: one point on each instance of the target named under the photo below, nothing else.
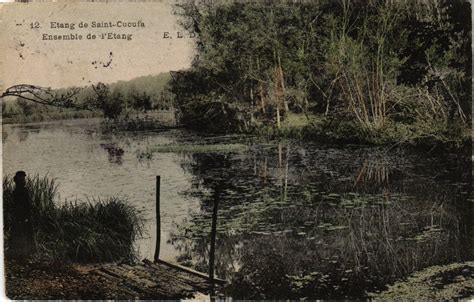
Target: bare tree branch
(47, 96)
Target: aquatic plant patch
(215, 148)
(452, 282)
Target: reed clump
(95, 230)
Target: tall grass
(87, 231)
(43, 191)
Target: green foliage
(92, 231)
(424, 130)
(262, 277)
(96, 231)
(452, 282)
(373, 64)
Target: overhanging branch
(47, 96)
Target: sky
(27, 58)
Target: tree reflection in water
(309, 222)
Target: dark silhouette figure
(22, 239)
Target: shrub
(90, 231)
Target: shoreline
(304, 132)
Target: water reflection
(115, 153)
(293, 220)
(318, 222)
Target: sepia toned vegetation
(383, 71)
(114, 102)
(272, 189)
(92, 231)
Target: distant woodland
(111, 101)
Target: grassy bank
(417, 134)
(453, 282)
(92, 231)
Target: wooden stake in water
(213, 236)
(158, 220)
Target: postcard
(226, 149)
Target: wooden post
(158, 220)
(213, 237)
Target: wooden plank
(173, 285)
(127, 292)
(157, 280)
(131, 275)
(117, 271)
(166, 278)
(118, 280)
(165, 285)
(135, 285)
(187, 270)
(155, 293)
(107, 275)
(198, 284)
(160, 277)
(159, 268)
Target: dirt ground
(36, 280)
(47, 281)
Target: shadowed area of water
(294, 219)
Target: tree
(438, 57)
(371, 63)
(26, 107)
(47, 96)
(111, 104)
(141, 101)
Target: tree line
(375, 64)
(113, 101)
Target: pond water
(294, 219)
